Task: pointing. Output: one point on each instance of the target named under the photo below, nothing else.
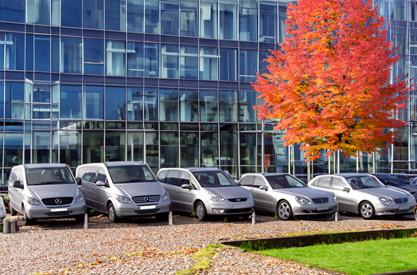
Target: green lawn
(366, 257)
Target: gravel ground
(151, 247)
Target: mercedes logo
(237, 199)
(146, 199)
(58, 201)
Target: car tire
(28, 220)
(112, 213)
(200, 211)
(367, 210)
(12, 211)
(284, 210)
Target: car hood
(306, 192)
(386, 192)
(140, 188)
(229, 192)
(53, 190)
(409, 188)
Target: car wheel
(284, 210)
(28, 220)
(112, 213)
(200, 211)
(366, 210)
(12, 211)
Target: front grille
(241, 210)
(238, 200)
(146, 199)
(57, 201)
(320, 200)
(147, 211)
(402, 200)
(58, 214)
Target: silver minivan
(122, 189)
(46, 190)
(207, 191)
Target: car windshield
(284, 181)
(363, 182)
(131, 173)
(214, 179)
(38, 176)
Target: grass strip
(203, 258)
(367, 257)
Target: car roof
(44, 165)
(267, 174)
(351, 174)
(193, 169)
(122, 163)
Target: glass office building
(165, 82)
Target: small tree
(328, 86)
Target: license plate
(59, 209)
(240, 205)
(404, 207)
(323, 208)
(145, 207)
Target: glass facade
(166, 82)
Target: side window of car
(324, 182)
(259, 181)
(184, 178)
(13, 177)
(101, 176)
(162, 175)
(338, 184)
(172, 177)
(247, 181)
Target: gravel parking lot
(147, 246)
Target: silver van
(122, 189)
(46, 190)
(207, 191)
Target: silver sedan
(287, 196)
(363, 194)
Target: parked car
(363, 194)
(402, 178)
(388, 180)
(122, 189)
(46, 190)
(207, 191)
(287, 196)
(2, 210)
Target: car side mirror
(78, 180)
(186, 186)
(100, 183)
(346, 189)
(263, 187)
(18, 184)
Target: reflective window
(93, 142)
(135, 59)
(263, 62)
(42, 53)
(14, 97)
(168, 105)
(29, 52)
(70, 146)
(248, 149)
(247, 99)
(228, 106)
(188, 20)
(282, 16)
(170, 18)
(135, 103)
(115, 145)
(93, 56)
(135, 144)
(93, 102)
(93, 14)
(152, 155)
(71, 99)
(169, 61)
(115, 57)
(228, 21)
(12, 10)
(13, 149)
(1, 102)
(188, 105)
(267, 22)
(208, 20)
(152, 17)
(151, 60)
(38, 12)
(248, 21)
(72, 13)
(55, 57)
(208, 106)
(40, 147)
(209, 149)
(150, 104)
(229, 147)
(228, 64)
(12, 51)
(189, 62)
(209, 60)
(135, 11)
(115, 103)
(248, 65)
(71, 55)
(169, 150)
(115, 14)
(189, 149)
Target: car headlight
(123, 199)
(33, 201)
(79, 197)
(386, 201)
(215, 198)
(303, 200)
(165, 196)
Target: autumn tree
(328, 86)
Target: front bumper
(324, 209)
(130, 210)
(227, 208)
(48, 212)
(394, 210)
